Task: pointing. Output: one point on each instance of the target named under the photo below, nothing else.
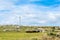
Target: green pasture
(22, 35)
(18, 35)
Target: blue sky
(32, 12)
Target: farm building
(41, 29)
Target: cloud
(52, 16)
(42, 21)
(31, 14)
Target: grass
(22, 35)
(18, 35)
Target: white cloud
(42, 21)
(52, 16)
(29, 13)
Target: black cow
(32, 31)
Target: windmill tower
(18, 24)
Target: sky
(30, 12)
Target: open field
(48, 33)
(18, 35)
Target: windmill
(18, 24)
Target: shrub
(51, 34)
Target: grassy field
(49, 34)
(19, 36)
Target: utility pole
(19, 24)
(19, 21)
